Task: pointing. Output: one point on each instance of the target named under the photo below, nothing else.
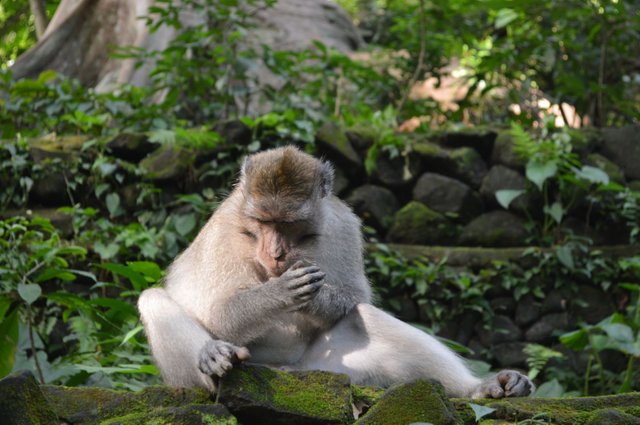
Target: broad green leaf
(592, 174)
(185, 223)
(555, 211)
(506, 196)
(106, 252)
(147, 268)
(618, 331)
(9, 334)
(505, 17)
(137, 280)
(575, 340)
(481, 411)
(565, 256)
(538, 172)
(29, 292)
(53, 273)
(113, 203)
(549, 389)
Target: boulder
(479, 138)
(376, 205)
(416, 402)
(168, 162)
(595, 304)
(448, 196)
(502, 329)
(622, 146)
(396, 171)
(463, 163)
(503, 152)
(415, 223)
(510, 354)
(544, 330)
(333, 142)
(500, 177)
(131, 147)
(233, 132)
(468, 166)
(527, 310)
(264, 395)
(495, 228)
(23, 403)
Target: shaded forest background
(208, 81)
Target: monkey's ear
(326, 179)
(244, 169)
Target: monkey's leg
(374, 348)
(176, 340)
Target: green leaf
(113, 204)
(481, 411)
(147, 268)
(506, 196)
(538, 172)
(575, 340)
(9, 333)
(555, 211)
(185, 223)
(549, 389)
(505, 17)
(618, 331)
(137, 280)
(133, 332)
(29, 292)
(592, 174)
(106, 252)
(565, 256)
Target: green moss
(430, 150)
(420, 401)
(313, 394)
(167, 162)
(368, 395)
(332, 136)
(579, 410)
(415, 223)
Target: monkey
(277, 276)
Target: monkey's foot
(217, 357)
(507, 383)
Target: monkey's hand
(297, 286)
(217, 357)
(507, 383)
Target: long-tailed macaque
(277, 274)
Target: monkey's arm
(335, 299)
(249, 313)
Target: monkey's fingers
(309, 289)
(300, 272)
(306, 279)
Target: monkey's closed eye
(250, 234)
(310, 237)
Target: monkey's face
(278, 245)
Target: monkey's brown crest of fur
(285, 173)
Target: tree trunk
(82, 33)
(40, 15)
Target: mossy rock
(22, 401)
(89, 405)
(420, 401)
(168, 162)
(194, 414)
(264, 395)
(54, 146)
(130, 146)
(333, 141)
(415, 223)
(613, 409)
